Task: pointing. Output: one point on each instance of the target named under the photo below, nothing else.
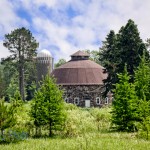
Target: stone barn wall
(78, 94)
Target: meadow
(85, 129)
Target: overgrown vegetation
(84, 129)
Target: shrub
(102, 118)
(13, 136)
(81, 120)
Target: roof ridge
(80, 53)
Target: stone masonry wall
(77, 94)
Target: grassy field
(91, 141)
(85, 129)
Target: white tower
(44, 63)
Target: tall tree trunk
(2, 133)
(21, 76)
(50, 129)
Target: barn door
(87, 103)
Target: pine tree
(142, 79)
(125, 104)
(131, 48)
(126, 47)
(144, 118)
(48, 106)
(142, 86)
(36, 111)
(22, 46)
(110, 59)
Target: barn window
(112, 99)
(106, 100)
(67, 100)
(76, 100)
(98, 100)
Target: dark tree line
(125, 47)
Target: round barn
(82, 81)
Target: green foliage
(81, 121)
(126, 47)
(2, 82)
(48, 106)
(125, 104)
(12, 88)
(144, 119)
(78, 122)
(94, 55)
(7, 116)
(102, 118)
(109, 56)
(148, 45)
(13, 137)
(70, 106)
(23, 120)
(142, 79)
(60, 62)
(131, 47)
(142, 84)
(22, 47)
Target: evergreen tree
(144, 118)
(125, 104)
(142, 80)
(109, 58)
(37, 111)
(142, 86)
(48, 106)
(131, 48)
(126, 47)
(22, 46)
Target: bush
(78, 122)
(102, 118)
(13, 136)
(69, 106)
(81, 120)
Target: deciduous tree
(60, 62)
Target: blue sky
(65, 26)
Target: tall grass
(85, 129)
(88, 141)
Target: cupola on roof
(44, 53)
(80, 71)
(80, 55)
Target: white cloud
(3, 51)
(62, 34)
